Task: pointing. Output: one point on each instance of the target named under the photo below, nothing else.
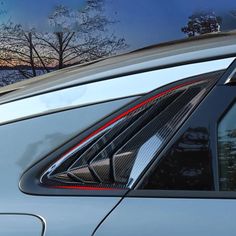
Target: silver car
(139, 144)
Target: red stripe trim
(83, 188)
(126, 113)
(112, 122)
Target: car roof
(157, 56)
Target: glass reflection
(227, 151)
(186, 165)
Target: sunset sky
(140, 22)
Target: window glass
(227, 150)
(185, 166)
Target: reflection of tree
(227, 159)
(18, 47)
(7, 77)
(79, 35)
(202, 23)
(186, 165)
(75, 37)
(194, 140)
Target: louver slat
(116, 154)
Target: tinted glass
(227, 150)
(116, 154)
(185, 166)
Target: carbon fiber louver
(117, 153)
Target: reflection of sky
(105, 90)
(140, 22)
(33, 13)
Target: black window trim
(219, 91)
(228, 78)
(181, 194)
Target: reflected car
(138, 144)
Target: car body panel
(170, 216)
(21, 225)
(27, 141)
(63, 215)
(34, 138)
(23, 147)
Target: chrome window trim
(132, 62)
(102, 91)
(231, 78)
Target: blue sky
(140, 22)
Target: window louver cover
(116, 154)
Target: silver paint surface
(167, 217)
(20, 225)
(23, 143)
(102, 91)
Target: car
(138, 144)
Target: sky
(140, 22)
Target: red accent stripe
(112, 122)
(83, 188)
(126, 113)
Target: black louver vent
(116, 154)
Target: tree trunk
(61, 51)
(31, 54)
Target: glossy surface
(190, 159)
(104, 90)
(147, 143)
(58, 211)
(186, 166)
(146, 59)
(227, 150)
(231, 78)
(30, 140)
(114, 154)
(99, 158)
(162, 216)
(43, 134)
(27, 141)
(21, 225)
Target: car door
(190, 187)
